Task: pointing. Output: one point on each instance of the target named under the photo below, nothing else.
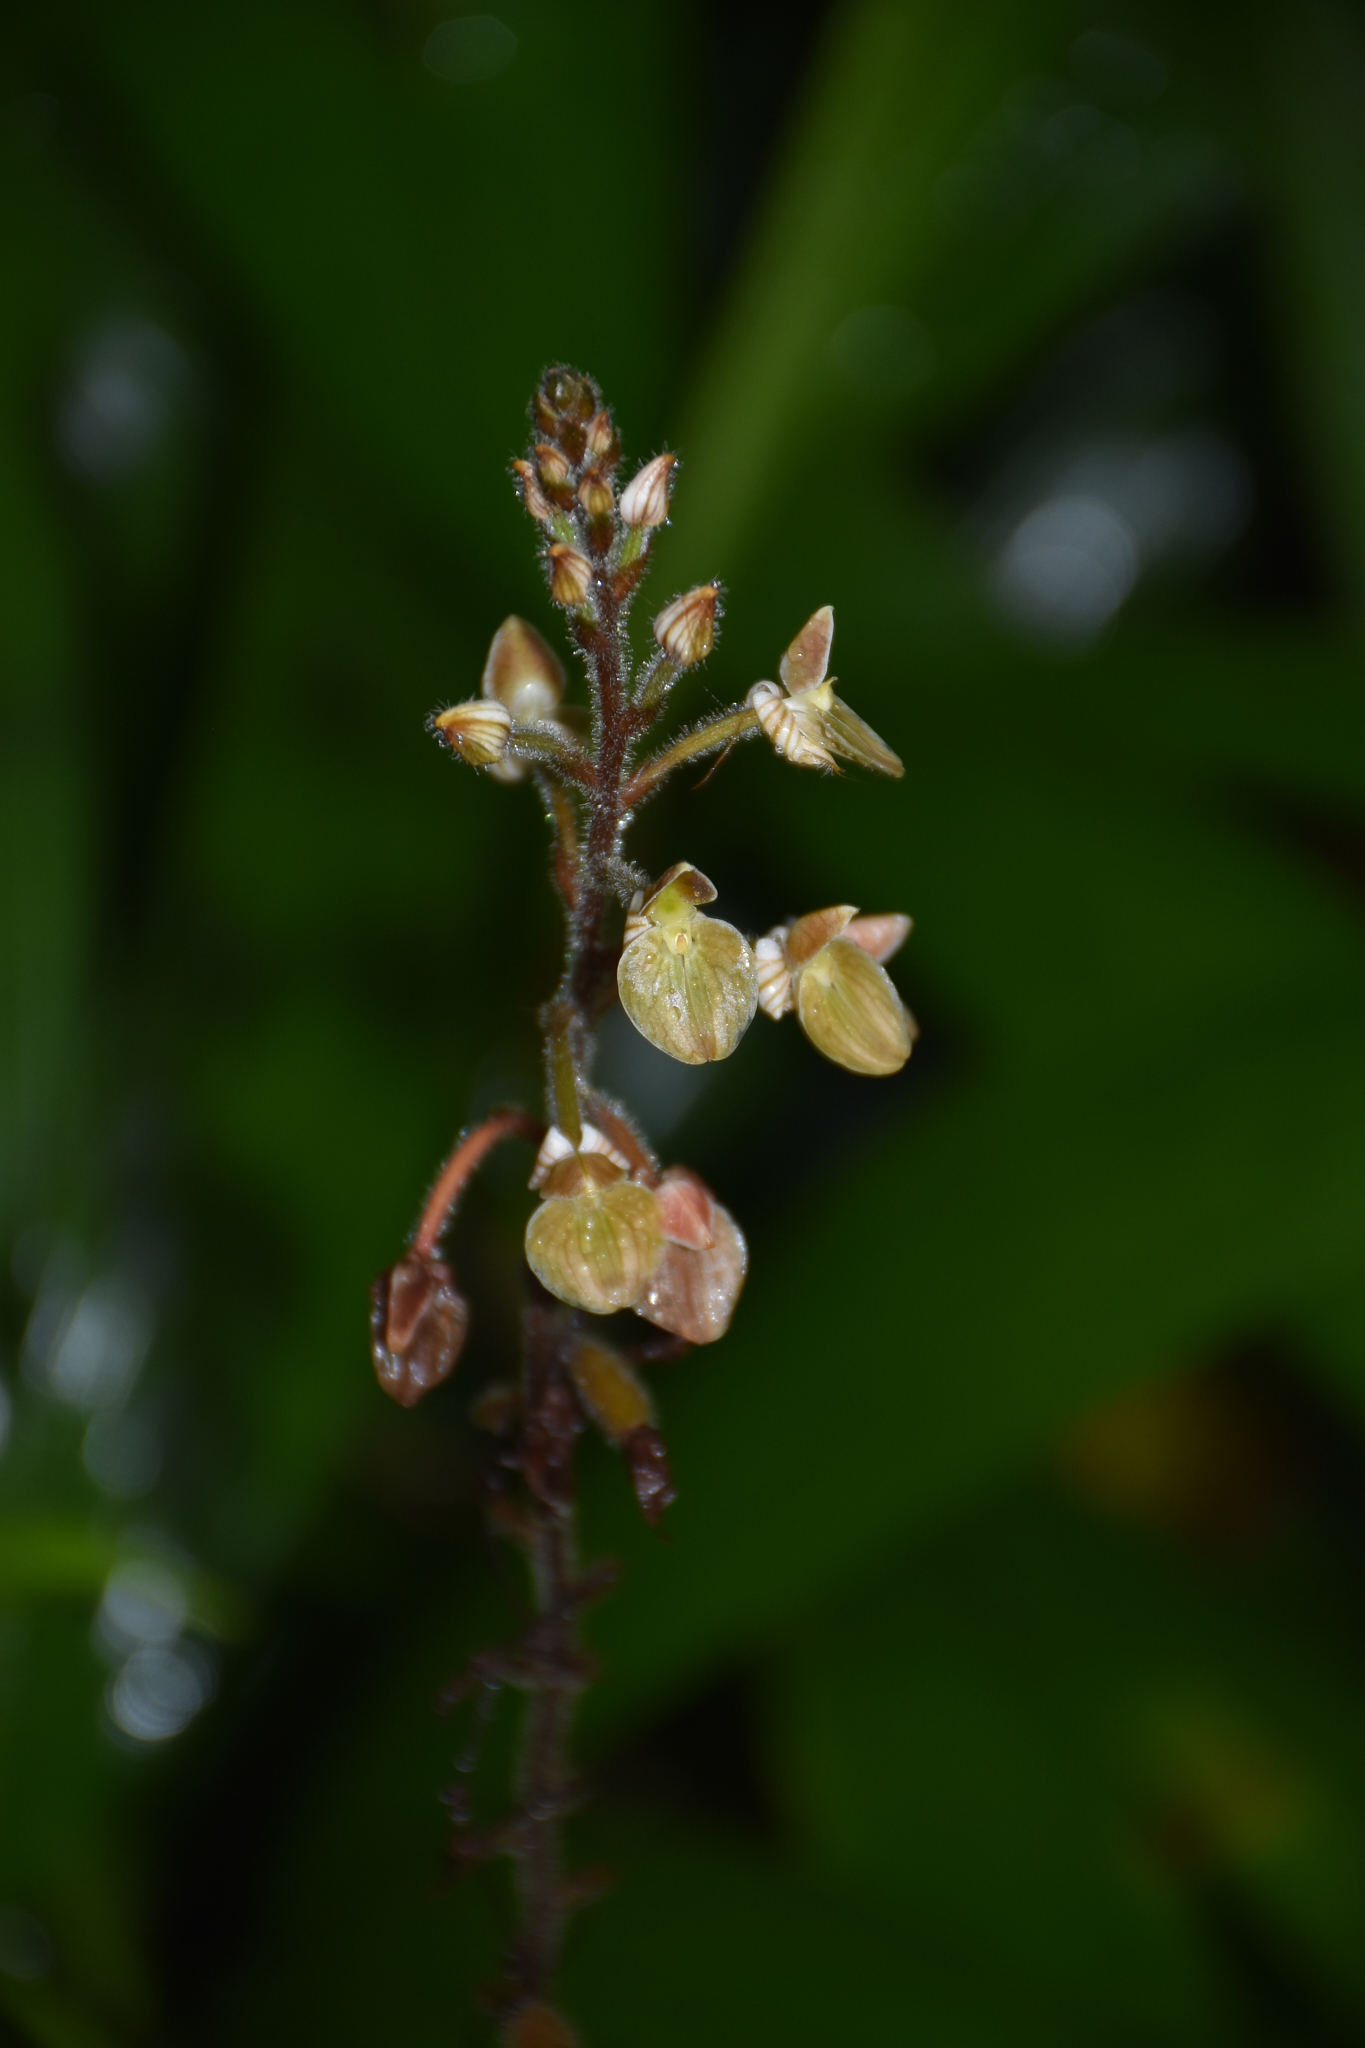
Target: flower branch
(613, 1228)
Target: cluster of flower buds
(418, 1323)
(606, 1237)
(568, 485)
(828, 968)
(806, 722)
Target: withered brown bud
(644, 501)
(532, 497)
(697, 1281)
(570, 576)
(418, 1321)
(647, 1458)
(686, 629)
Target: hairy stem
(467, 1156)
(559, 809)
(705, 739)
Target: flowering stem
(562, 816)
(704, 739)
(467, 1156)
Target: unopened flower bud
(565, 394)
(595, 495)
(418, 1321)
(522, 672)
(478, 731)
(553, 465)
(570, 575)
(538, 2026)
(563, 406)
(532, 497)
(774, 975)
(701, 1271)
(687, 982)
(614, 1395)
(603, 445)
(594, 1242)
(644, 501)
(686, 629)
(847, 1004)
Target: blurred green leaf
(1052, 1739)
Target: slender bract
(612, 1230)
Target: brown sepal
(418, 1322)
(647, 1458)
(688, 1209)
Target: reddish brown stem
(560, 811)
(468, 1155)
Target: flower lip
(596, 1249)
(686, 981)
(851, 1011)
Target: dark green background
(1001, 1679)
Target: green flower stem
(704, 739)
(561, 1020)
(542, 747)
